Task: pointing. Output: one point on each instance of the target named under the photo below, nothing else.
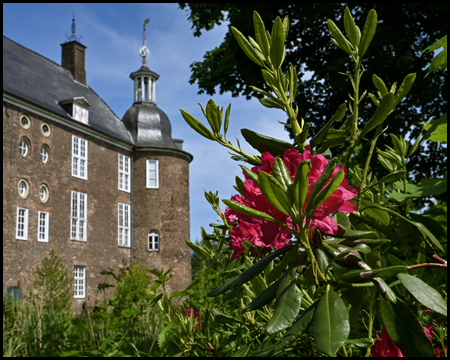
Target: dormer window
(77, 108)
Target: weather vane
(73, 37)
(144, 52)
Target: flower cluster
(195, 315)
(262, 233)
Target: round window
(25, 122)
(43, 193)
(44, 154)
(45, 128)
(23, 147)
(23, 188)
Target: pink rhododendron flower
(385, 347)
(262, 233)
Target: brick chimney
(73, 59)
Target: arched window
(153, 240)
(44, 154)
(23, 147)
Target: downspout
(132, 207)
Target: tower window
(152, 174)
(43, 226)
(23, 188)
(78, 216)
(124, 225)
(22, 224)
(79, 282)
(124, 173)
(24, 147)
(79, 157)
(44, 154)
(25, 122)
(153, 240)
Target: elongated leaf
(280, 173)
(296, 330)
(405, 329)
(224, 318)
(361, 343)
(263, 299)
(213, 116)
(274, 192)
(250, 273)
(435, 228)
(227, 121)
(339, 37)
(370, 27)
(353, 32)
(394, 176)
(197, 126)
(359, 234)
(279, 269)
(247, 210)
(424, 293)
(380, 85)
(250, 174)
(381, 113)
(264, 143)
(331, 324)
(241, 353)
(286, 27)
(322, 134)
(375, 211)
(301, 183)
(288, 304)
(198, 249)
(277, 48)
(404, 88)
(384, 289)
(329, 189)
(293, 82)
(360, 276)
(271, 103)
(260, 34)
(246, 47)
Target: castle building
(77, 179)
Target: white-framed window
(79, 157)
(45, 129)
(25, 122)
(124, 173)
(44, 154)
(153, 240)
(78, 216)
(24, 147)
(23, 188)
(79, 282)
(152, 174)
(124, 225)
(43, 193)
(22, 224)
(43, 219)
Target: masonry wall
(101, 250)
(166, 210)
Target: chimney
(73, 59)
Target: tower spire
(144, 52)
(73, 28)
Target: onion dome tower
(160, 193)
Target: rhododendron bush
(311, 237)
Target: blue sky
(113, 36)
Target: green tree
(404, 30)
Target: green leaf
(263, 299)
(380, 85)
(296, 330)
(344, 44)
(260, 34)
(242, 352)
(394, 176)
(416, 145)
(436, 130)
(361, 276)
(272, 103)
(359, 234)
(197, 126)
(247, 210)
(368, 32)
(274, 193)
(280, 173)
(286, 27)
(288, 304)
(404, 88)
(353, 32)
(398, 146)
(381, 113)
(213, 116)
(385, 289)
(331, 324)
(198, 249)
(277, 48)
(375, 211)
(431, 224)
(250, 273)
(293, 83)
(264, 143)
(279, 269)
(424, 293)
(227, 120)
(440, 60)
(328, 189)
(405, 329)
(246, 47)
(251, 175)
(322, 134)
(222, 318)
(374, 99)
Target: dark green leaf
(264, 143)
(246, 46)
(198, 249)
(328, 189)
(278, 270)
(263, 299)
(359, 234)
(242, 352)
(274, 192)
(360, 276)
(361, 343)
(375, 211)
(436, 228)
(213, 116)
(250, 174)
(404, 88)
(322, 134)
(197, 126)
(288, 304)
(424, 293)
(344, 44)
(224, 319)
(331, 324)
(277, 48)
(405, 329)
(353, 32)
(380, 85)
(260, 34)
(301, 183)
(280, 173)
(293, 82)
(368, 32)
(381, 113)
(250, 273)
(394, 176)
(227, 120)
(385, 289)
(247, 211)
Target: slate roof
(43, 82)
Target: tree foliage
(403, 32)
